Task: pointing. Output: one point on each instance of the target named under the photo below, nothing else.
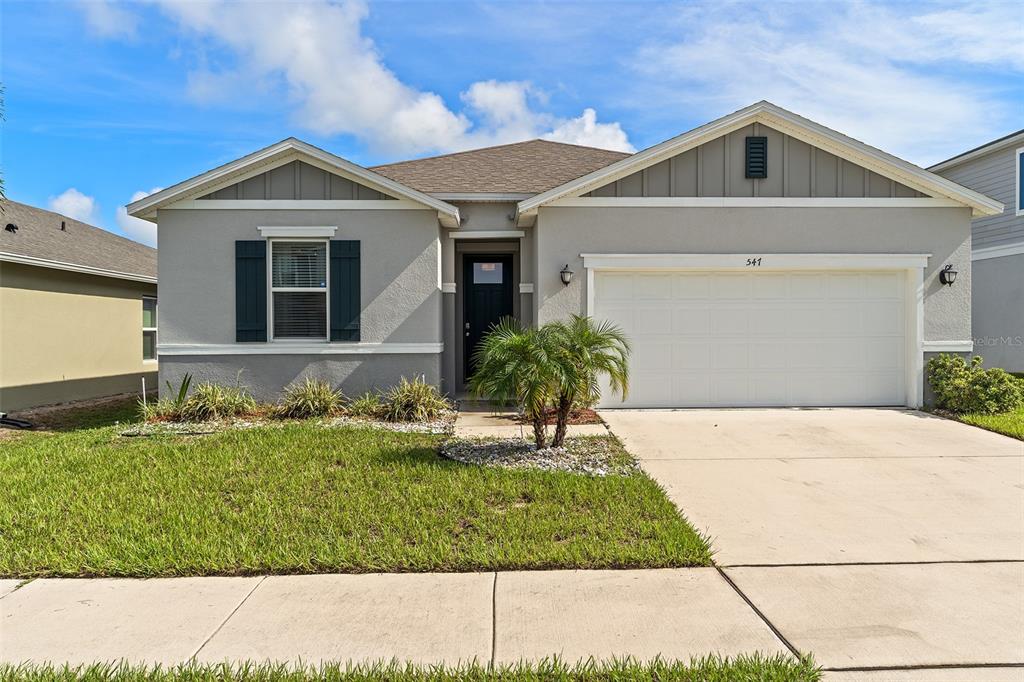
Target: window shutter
(757, 157)
(251, 290)
(345, 298)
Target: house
(997, 268)
(760, 259)
(77, 310)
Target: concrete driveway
(873, 538)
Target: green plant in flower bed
(963, 387)
(416, 400)
(745, 668)
(368, 405)
(311, 398)
(213, 401)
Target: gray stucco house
(760, 259)
(997, 298)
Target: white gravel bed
(441, 426)
(591, 456)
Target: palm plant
(586, 350)
(513, 363)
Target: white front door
(770, 338)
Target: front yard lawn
(303, 498)
(1008, 423)
(759, 667)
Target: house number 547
(753, 262)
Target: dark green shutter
(345, 301)
(251, 290)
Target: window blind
(300, 314)
(299, 265)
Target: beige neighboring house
(77, 310)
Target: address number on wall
(754, 262)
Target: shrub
(964, 387)
(311, 398)
(167, 409)
(414, 400)
(211, 401)
(366, 405)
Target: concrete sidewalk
(425, 618)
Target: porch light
(566, 275)
(947, 275)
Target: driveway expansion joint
(226, 619)
(494, 620)
(934, 666)
(821, 564)
(771, 626)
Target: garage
(744, 337)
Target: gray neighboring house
(760, 259)
(997, 300)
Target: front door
(487, 299)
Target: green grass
(1008, 423)
(752, 668)
(301, 498)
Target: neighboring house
(77, 310)
(761, 259)
(997, 170)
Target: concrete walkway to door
(870, 537)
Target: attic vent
(63, 226)
(757, 157)
(11, 227)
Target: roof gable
(519, 168)
(277, 155)
(297, 180)
(805, 130)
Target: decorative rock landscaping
(443, 425)
(591, 456)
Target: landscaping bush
(211, 401)
(166, 409)
(367, 405)
(964, 387)
(311, 398)
(414, 400)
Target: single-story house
(997, 257)
(760, 259)
(77, 310)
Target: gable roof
(1010, 140)
(787, 122)
(275, 155)
(79, 247)
(521, 168)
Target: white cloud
(74, 204)
(339, 83)
(863, 69)
(106, 19)
(136, 228)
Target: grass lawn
(709, 669)
(1008, 423)
(301, 498)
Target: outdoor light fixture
(947, 275)
(566, 275)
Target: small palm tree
(585, 350)
(514, 363)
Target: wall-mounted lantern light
(566, 275)
(947, 275)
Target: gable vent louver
(757, 157)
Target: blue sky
(107, 100)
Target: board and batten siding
(297, 180)
(994, 175)
(717, 169)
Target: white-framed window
(1019, 158)
(149, 328)
(298, 289)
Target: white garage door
(732, 339)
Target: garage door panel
(705, 338)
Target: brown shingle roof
(524, 167)
(39, 236)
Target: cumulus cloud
(75, 204)
(864, 69)
(136, 228)
(107, 19)
(338, 83)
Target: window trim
(1018, 158)
(155, 330)
(271, 289)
